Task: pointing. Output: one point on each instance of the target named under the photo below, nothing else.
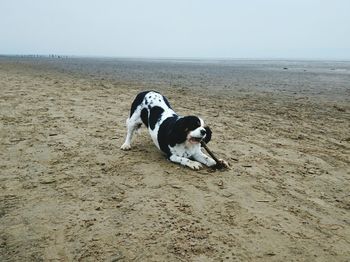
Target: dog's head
(191, 129)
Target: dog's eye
(186, 129)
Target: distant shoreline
(317, 79)
(182, 59)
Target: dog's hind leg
(133, 123)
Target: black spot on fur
(137, 101)
(155, 115)
(191, 122)
(207, 137)
(177, 134)
(181, 127)
(166, 101)
(165, 134)
(144, 116)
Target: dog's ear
(178, 134)
(207, 137)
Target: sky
(295, 29)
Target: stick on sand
(219, 163)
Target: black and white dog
(178, 137)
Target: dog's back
(151, 109)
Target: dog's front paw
(125, 147)
(194, 165)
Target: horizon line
(184, 58)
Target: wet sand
(68, 193)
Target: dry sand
(68, 193)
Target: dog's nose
(203, 132)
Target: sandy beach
(68, 193)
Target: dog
(178, 137)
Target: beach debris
(226, 193)
(14, 140)
(175, 186)
(220, 183)
(117, 257)
(48, 180)
(300, 137)
(340, 109)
